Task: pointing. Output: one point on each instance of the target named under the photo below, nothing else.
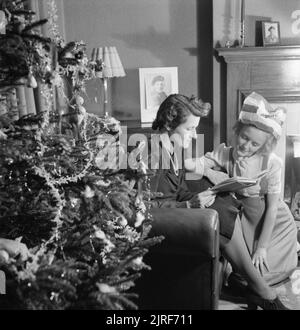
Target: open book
(236, 183)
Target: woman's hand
(203, 199)
(259, 259)
(215, 176)
(14, 248)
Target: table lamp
(112, 67)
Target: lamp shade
(112, 66)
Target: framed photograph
(271, 33)
(156, 84)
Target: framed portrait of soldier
(271, 33)
(156, 84)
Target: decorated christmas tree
(83, 219)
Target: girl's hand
(259, 259)
(203, 199)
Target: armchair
(187, 270)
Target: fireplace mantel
(273, 72)
(239, 54)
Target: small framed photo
(156, 84)
(271, 33)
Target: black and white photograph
(271, 33)
(156, 84)
(149, 159)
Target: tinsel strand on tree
(83, 220)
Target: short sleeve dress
(282, 249)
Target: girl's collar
(240, 158)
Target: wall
(156, 33)
(226, 26)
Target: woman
(177, 119)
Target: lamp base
(105, 104)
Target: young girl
(268, 226)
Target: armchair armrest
(191, 231)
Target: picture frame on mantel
(271, 33)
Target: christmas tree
(83, 219)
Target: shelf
(241, 54)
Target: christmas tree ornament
(2, 135)
(54, 296)
(88, 193)
(3, 22)
(105, 288)
(140, 217)
(99, 233)
(31, 81)
(102, 183)
(4, 257)
(122, 221)
(81, 109)
(74, 202)
(138, 261)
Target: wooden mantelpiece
(263, 53)
(273, 72)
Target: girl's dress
(282, 249)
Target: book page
(234, 184)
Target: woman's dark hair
(175, 109)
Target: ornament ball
(4, 257)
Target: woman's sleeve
(183, 192)
(162, 184)
(274, 176)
